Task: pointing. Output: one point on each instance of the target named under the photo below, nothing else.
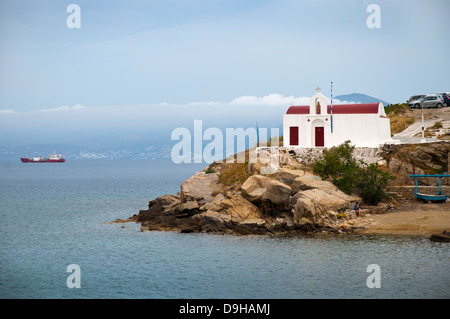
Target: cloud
(271, 100)
(247, 100)
(204, 103)
(62, 108)
(7, 111)
(54, 109)
(66, 122)
(277, 100)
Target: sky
(136, 66)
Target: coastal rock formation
(245, 199)
(427, 158)
(291, 200)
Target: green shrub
(372, 183)
(338, 165)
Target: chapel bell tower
(318, 104)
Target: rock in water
(444, 237)
(157, 206)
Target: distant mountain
(360, 98)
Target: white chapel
(322, 125)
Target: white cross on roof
(318, 89)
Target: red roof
(358, 108)
(301, 109)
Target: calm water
(54, 215)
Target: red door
(320, 136)
(293, 135)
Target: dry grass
(400, 123)
(274, 139)
(436, 125)
(444, 137)
(399, 116)
(233, 173)
(429, 131)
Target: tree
(372, 182)
(338, 164)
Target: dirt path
(414, 218)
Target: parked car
(415, 97)
(446, 98)
(433, 100)
(415, 101)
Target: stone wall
(308, 156)
(408, 192)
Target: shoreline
(414, 218)
(242, 198)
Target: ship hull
(45, 160)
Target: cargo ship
(39, 159)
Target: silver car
(433, 100)
(416, 101)
(415, 97)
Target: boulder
(199, 187)
(215, 205)
(304, 208)
(186, 209)
(225, 204)
(254, 222)
(278, 193)
(213, 221)
(309, 181)
(443, 237)
(304, 225)
(315, 204)
(252, 226)
(186, 206)
(241, 209)
(288, 176)
(254, 188)
(157, 206)
(327, 200)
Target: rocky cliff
(403, 160)
(290, 200)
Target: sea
(57, 242)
